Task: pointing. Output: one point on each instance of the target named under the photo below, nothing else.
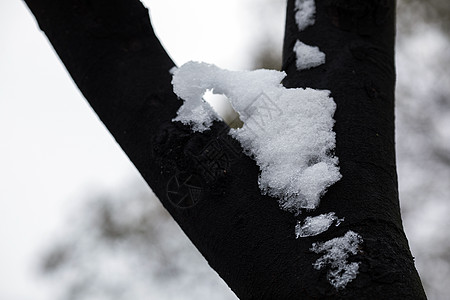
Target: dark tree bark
(117, 62)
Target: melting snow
(287, 131)
(316, 225)
(308, 56)
(304, 13)
(336, 252)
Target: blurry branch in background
(127, 246)
(434, 12)
(269, 57)
(423, 136)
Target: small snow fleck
(304, 13)
(308, 56)
(312, 226)
(337, 251)
(288, 132)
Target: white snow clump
(308, 56)
(336, 252)
(312, 226)
(288, 132)
(304, 13)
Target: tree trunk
(211, 188)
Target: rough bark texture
(210, 187)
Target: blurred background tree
(423, 136)
(127, 247)
(124, 245)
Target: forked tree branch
(210, 187)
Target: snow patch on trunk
(304, 13)
(312, 226)
(288, 132)
(337, 251)
(308, 56)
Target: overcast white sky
(53, 149)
